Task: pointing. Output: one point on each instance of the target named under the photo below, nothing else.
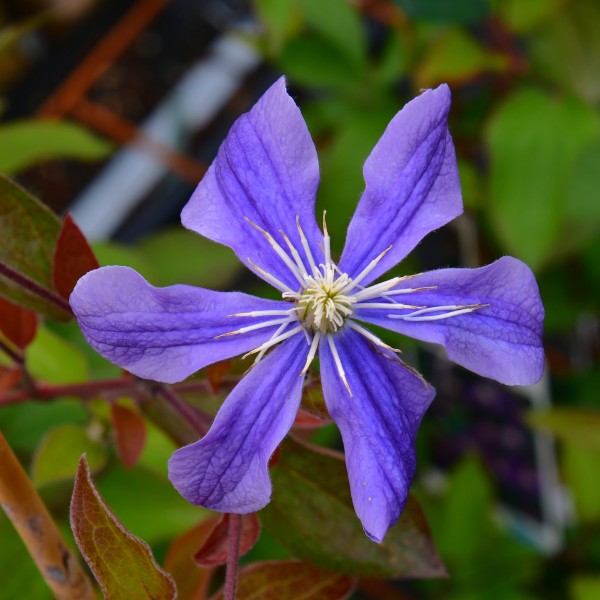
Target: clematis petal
(265, 171)
(165, 334)
(502, 340)
(412, 186)
(227, 469)
(378, 425)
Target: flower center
(322, 305)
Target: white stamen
(271, 278)
(409, 290)
(422, 315)
(377, 289)
(338, 363)
(309, 256)
(311, 353)
(295, 254)
(279, 251)
(372, 337)
(387, 305)
(256, 326)
(273, 341)
(278, 332)
(368, 269)
(263, 313)
(326, 241)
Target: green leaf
(484, 561)
(28, 230)
(19, 576)
(456, 57)
(207, 263)
(342, 180)
(582, 206)
(575, 425)
(292, 580)
(457, 11)
(467, 501)
(25, 424)
(122, 564)
(139, 495)
(113, 253)
(533, 141)
(28, 142)
(339, 23)
(567, 49)
(277, 17)
(58, 455)
(394, 61)
(521, 17)
(581, 469)
(53, 360)
(311, 514)
(316, 62)
(585, 588)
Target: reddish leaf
(306, 420)
(215, 374)
(122, 564)
(130, 433)
(292, 580)
(8, 378)
(274, 457)
(192, 581)
(17, 324)
(213, 551)
(73, 258)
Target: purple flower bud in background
(258, 197)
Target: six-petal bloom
(258, 198)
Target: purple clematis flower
(258, 198)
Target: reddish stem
(233, 555)
(191, 415)
(16, 357)
(127, 385)
(35, 288)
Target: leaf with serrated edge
(130, 434)
(292, 580)
(213, 551)
(311, 514)
(122, 564)
(73, 258)
(28, 230)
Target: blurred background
(113, 109)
